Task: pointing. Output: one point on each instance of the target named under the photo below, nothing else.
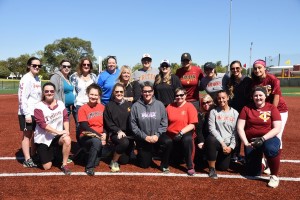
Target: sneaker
(212, 173)
(114, 166)
(29, 163)
(65, 169)
(265, 167)
(90, 171)
(166, 170)
(234, 158)
(274, 181)
(191, 172)
(69, 161)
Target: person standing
(149, 124)
(258, 125)
(64, 88)
(107, 79)
(146, 73)
(29, 95)
(190, 76)
(81, 80)
(165, 84)
(52, 129)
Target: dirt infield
(17, 182)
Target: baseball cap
(186, 56)
(165, 61)
(146, 55)
(209, 65)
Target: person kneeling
(52, 129)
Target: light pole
(229, 37)
(250, 58)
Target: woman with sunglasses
(213, 81)
(260, 77)
(149, 123)
(206, 104)
(29, 95)
(90, 118)
(165, 84)
(81, 80)
(222, 138)
(52, 129)
(239, 88)
(182, 118)
(64, 88)
(132, 88)
(107, 79)
(116, 120)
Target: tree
(72, 49)
(18, 65)
(136, 67)
(174, 67)
(4, 71)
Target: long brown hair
(79, 67)
(232, 80)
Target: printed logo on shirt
(53, 117)
(265, 115)
(213, 84)
(189, 78)
(183, 112)
(225, 118)
(149, 115)
(94, 114)
(145, 77)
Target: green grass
(290, 91)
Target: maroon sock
(274, 164)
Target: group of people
(154, 111)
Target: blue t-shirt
(107, 81)
(69, 96)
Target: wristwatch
(181, 133)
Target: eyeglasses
(147, 91)
(235, 69)
(35, 66)
(206, 102)
(66, 66)
(86, 64)
(179, 95)
(185, 60)
(49, 91)
(119, 91)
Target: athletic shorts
(46, 154)
(28, 126)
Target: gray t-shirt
(141, 75)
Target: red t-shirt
(272, 84)
(190, 81)
(94, 116)
(180, 117)
(259, 121)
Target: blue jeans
(270, 149)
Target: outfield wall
(289, 82)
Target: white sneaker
(265, 167)
(274, 181)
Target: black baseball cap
(186, 56)
(209, 65)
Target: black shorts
(46, 154)
(28, 126)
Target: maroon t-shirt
(190, 80)
(272, 84)
(259, 121)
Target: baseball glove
(257, 142)
(90, 134)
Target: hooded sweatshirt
(57, 80)
(148, 119)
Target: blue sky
(165, 29)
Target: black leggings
(214, 152)
(123, 146)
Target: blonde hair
(206, 97)
(161, 78)
(120, 78)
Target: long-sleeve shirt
(222, 125)
(29, 94)
(148, 119)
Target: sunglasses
(146, 60)
(208, 69)
(179, 95)
(66, 66)
(49, 91)
(147, 91)
(206, 102)
(35, 66)
(235, 69)
(86, 64)
(120, 91)
(167, 66)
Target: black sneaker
(29, 163)
(212, 173)
(90, 171)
